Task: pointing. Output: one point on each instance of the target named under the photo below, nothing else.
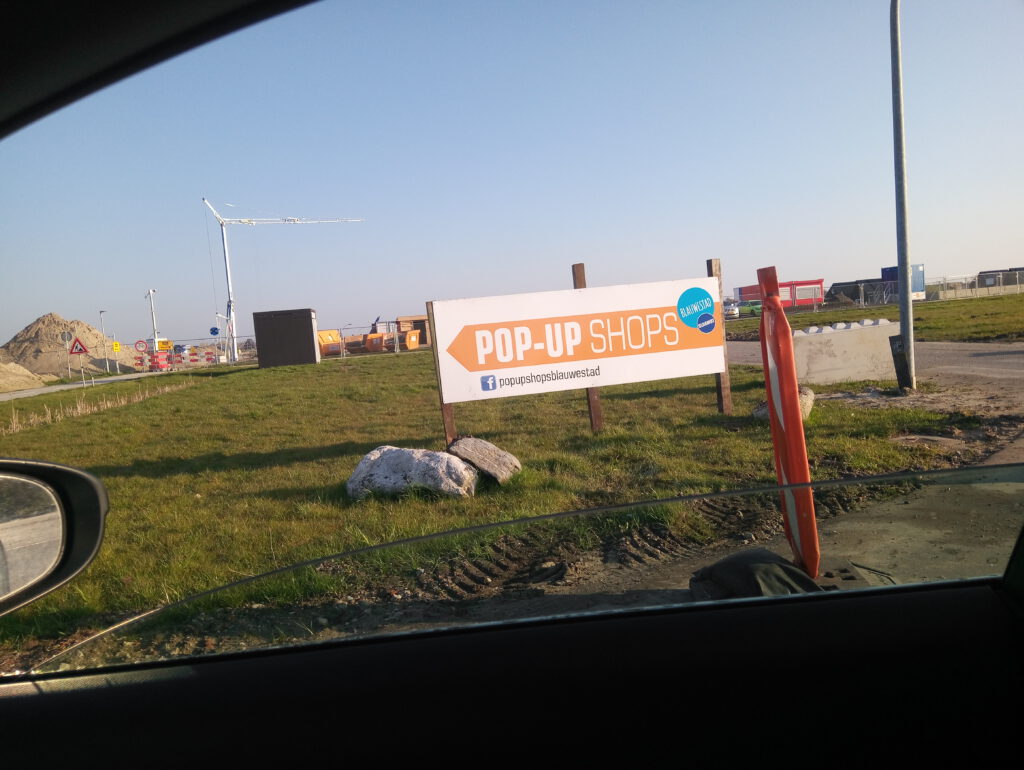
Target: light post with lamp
(106, 361)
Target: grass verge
(244, 470)
(984, 319)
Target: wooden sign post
(447, 410)
(723, 387)
(579, 281)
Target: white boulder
(390, 470)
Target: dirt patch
(945, 397)
(16, 377)
(753, 335)
(990, 415)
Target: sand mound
(14, 377)
(39, 348)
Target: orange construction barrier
(791, 466)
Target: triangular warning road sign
(77, 347)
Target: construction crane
(232, 340)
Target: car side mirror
(51, 526)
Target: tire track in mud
(510, 563)
(528, 561)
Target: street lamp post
(900, 163)
(106, 361)
(344, 348)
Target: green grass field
(228, 473)
(985, 319)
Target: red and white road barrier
(159, 361)
(787, 425)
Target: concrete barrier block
(844, 352)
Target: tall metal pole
(152, 312)
(106, 361)
(902, 245)
(231, 343)
(230, 340)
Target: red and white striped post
(787, 425)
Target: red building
(792, 293)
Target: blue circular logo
(706, 323)
(693, 306)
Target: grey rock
(390, 470)
(492, 460)
(806, 404)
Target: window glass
(876, 534)
(488, 148)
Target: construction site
(52, 349)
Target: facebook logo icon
(488, 382)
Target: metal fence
(210, 351)
(871, 293)
(986, 284)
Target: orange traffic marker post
(787, 425)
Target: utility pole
(231, 343)
(899, 160)
(106, 361)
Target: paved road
(10, 396)
(1002, 362)
(28, 548)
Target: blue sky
(490, 145)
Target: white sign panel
(517, 344)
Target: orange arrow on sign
(564, 339)
(77, 347)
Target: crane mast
(232, 339)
